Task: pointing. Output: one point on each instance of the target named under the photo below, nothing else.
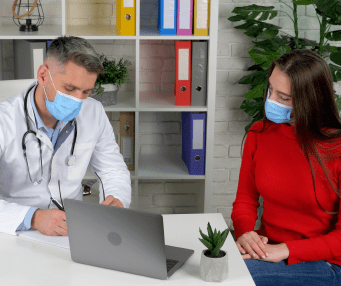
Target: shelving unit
(147, 167)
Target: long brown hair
(314, 106)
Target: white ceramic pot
(109, 87)
(213, 269)
(109, 96)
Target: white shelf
(89, 175)
(44, 32)
(152, 32)
(166, 166)
(94, 31)
(125, 102)
(164, 101)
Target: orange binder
(126, 17)
(201, 17)
(183, 72)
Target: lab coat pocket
(83, 152)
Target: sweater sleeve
(244, 213)
(322, 247)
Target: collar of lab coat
(42, 136)
(29, 105)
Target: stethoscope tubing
(33, 132)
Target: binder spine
(184, 17)
(199, 73)
(167, 11)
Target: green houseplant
(271, 43)
(213, 263)
(108, 83)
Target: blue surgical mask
(277, 112)
(65, 107)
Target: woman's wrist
(285, 250)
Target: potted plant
(213, 263)
(108, 83)
(271, 43)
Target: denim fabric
(312, 273)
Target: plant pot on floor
(214, 269)
(109, 96)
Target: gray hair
(77, 50)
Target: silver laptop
(121, 239)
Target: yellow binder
(126, 17)
(201, 17)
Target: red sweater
(275, 168)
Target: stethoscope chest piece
(71, 160)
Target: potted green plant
(108, 83)
(271, 43)
(213, 263)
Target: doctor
(48, 136)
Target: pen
(57, 204)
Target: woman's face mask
(277, 112)
(65, 107)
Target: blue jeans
(312, 273)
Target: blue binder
(48, 44)
(194, 142)
(163, 26)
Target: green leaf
(209, 231)
(207, 244)
(263, 58)
(257, 92)
(216, 239)
(255, 28)
(334, 36)
(329, 8)
(268, 34)
(303, 2)
(335, 57)
(336, 72)
(204, 236)
(251, 107)
(236, 18)
(214, 234)
(252, 11)
(256, 78)
(215, 251)
(255, 68)
(338, 101)
(271, 45)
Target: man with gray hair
(48, 136)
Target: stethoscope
(70, 160)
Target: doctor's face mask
(65, 107)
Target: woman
(292, 159)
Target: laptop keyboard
(171, 263)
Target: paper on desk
(61, 241)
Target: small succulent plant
(215, 240)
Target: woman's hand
(277, 253)
(252, 244)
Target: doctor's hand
(111, 201)
(253, 244)
(50, 222)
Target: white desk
(28, 262)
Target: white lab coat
(95, 145)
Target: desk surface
(27, 262)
